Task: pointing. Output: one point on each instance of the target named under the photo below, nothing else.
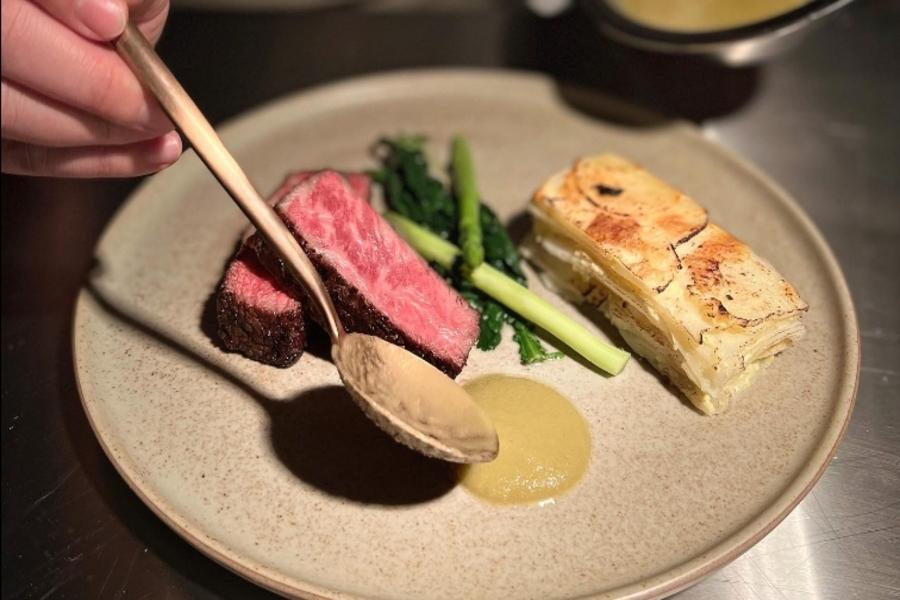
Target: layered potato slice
(695, 301)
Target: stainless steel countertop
(821, 120)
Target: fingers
(150, 15)
(44, 55)
(100, 20)
(29, 117)
(70, 106)
(92, 161)
(104, 20)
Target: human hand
(71, 107)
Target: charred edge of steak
(357, 314)
(274, 339)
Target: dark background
(822, 120)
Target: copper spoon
(405, 396)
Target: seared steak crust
(271, 338)
(272, 333)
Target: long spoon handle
(153, 73)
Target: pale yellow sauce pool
(544, 442)
(691, 16)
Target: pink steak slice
(258, 316)
(379, 285)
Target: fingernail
(105, 18)
(166, 148)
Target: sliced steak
(360, 183)
(379, 285)
(257, 315)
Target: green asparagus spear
(469, 207)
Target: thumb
(100, 20)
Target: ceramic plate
(275, 474)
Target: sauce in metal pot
(695, 16)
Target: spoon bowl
(412, 400)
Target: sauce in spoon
(419, 405)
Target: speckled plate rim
(660, 585)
